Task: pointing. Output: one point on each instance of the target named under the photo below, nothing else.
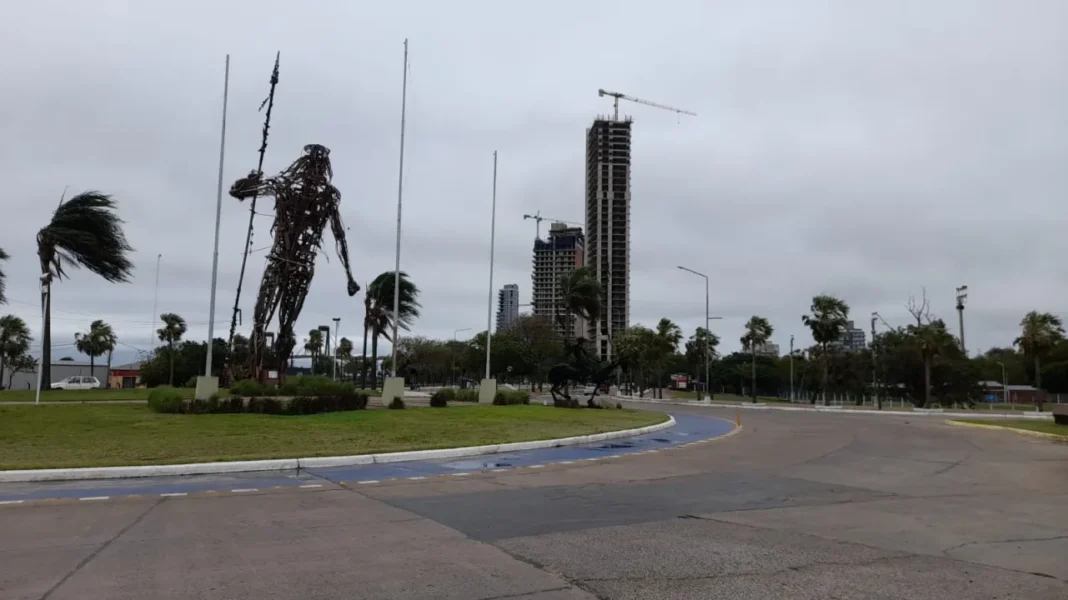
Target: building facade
(768, 349)
(853, 338)
(507, 306)
(553, 258)
(608, 227)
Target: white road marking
(173, 494)
(11, 501)
(567, 462)
(537, 466)
(598, 458)
(460, 474)
(95, 498)
(312, 485)
(242, 490)
(416, 478)
(368, 481)
(497, 470)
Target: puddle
(662, 440)
(615, 445)
(476, 465)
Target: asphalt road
(794, 506)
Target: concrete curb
(1038, 434)
(1042, 416)
(289, 464)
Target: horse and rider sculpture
(581, 369)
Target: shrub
(619, 405)
(396, 404)
(165, 399)
(315, 385)
(191, 382)
(247, 387)
(440, 399)
(464, 395)
(506, 397)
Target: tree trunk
(107, 376)
(374, 360)
(170, 350)
(754, 379)
(92, 365)
(826, 370)
(3, 363)
(927, 383)
(363, 357)
(46, 339)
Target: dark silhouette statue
(581, 369)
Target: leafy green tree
(1040, 332)
(98, 341)
(3, 282)
(827, 322)
(381, 311)
(700, 349)
(758, 331)
(932, 341)
(172, 331)
(580, 295)
(23, 363)
(14, 341)
(668, 337)
(314, 346)
(189, 357)
(83, 232)
(343, 352)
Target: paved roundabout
(794, 505)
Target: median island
(57, 436)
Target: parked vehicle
(77, 382)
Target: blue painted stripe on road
(688, 428)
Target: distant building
(125, 376)
(853, 338)
(507, 306)
(61, 369)
(553, 258)
(768, 349)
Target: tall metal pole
(962, 295)
(493, 234)
(874, 369)
(791, 368)
(400, 196)
(155, 301)
(708, 353)
(218, 216)
(333, 357)
(46, 289)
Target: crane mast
(617, 96)
(538, 219)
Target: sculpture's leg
(266, 303)
(294, 291)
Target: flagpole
(493, 233)
(400, 195)
(218, 216)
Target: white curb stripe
(460, 474)
(243, 490)
(368, 481)
(416, 478)
(93, 498)
(173, 494)
(312, 485)
(11, 501)
(292, 464)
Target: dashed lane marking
(311, 485)
(416, 478)
(174, 494)
(94, 498)
(459, 474)
(243, 490)
(11, 501)
(537, 466)
(365, 481)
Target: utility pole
(874, 370)
(962, 295)
(791, 368)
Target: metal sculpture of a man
(304, 201)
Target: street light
(962, 295)
(458, 331)
(1004, 384)
(708, 349)
(874, 370)
(791, 368)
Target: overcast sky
(859, 148)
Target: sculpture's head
(317, 151)
(247, 187)
(354, 288)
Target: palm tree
(172, 331)
(314, 346)
(669, 335)
(700, 349)
(343, 353)
(100, 339)
(14, 340)
(367, 326)
(3, 299)
(757, 333)
(579, 295)
(84, 232)
(1040, 332)
(381, 312)
(635, 347)
(827, 321)
(933, 341)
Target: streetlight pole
(708, 349)
(458, 331)
(962, 295)
(333, 356)
(874, 369)
(1004, 384)
(791, 368)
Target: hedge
(505, 397)
(308, 385)
(440, 399)
(167, 401)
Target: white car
(78, 382)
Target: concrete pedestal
(206, 386)
(393, 387)
(486, 391)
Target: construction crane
(538, 219)
(617, 96)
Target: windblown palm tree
(579, 294)
(84, 232)
(343, 353)
(3, 299)
(668, 336)
(381, 312)
(368, 325)
(1041, 331)
(314, 346)
(827, 322)
(99, 340)
(700, 349)
(172, 331)
(14, 341)
(757, 333)
(933, 340)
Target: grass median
(130, 434)
(1038, 426)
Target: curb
(290, 464)
(1038, 434)
(1044, 416)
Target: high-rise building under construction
(553, 258)
(608, 227)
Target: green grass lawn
(102, 395)
(1039, 426)
(33, 437)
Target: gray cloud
(860, 149)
